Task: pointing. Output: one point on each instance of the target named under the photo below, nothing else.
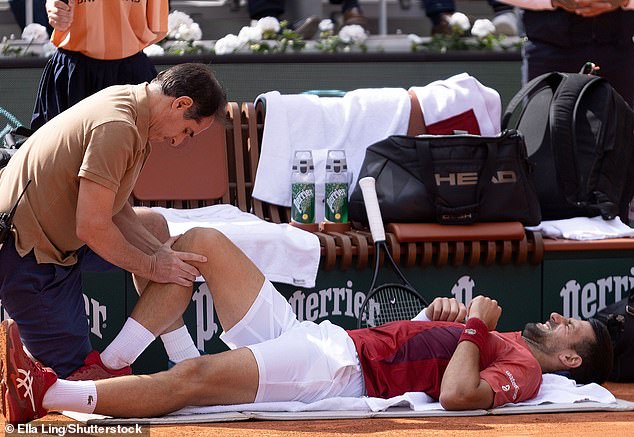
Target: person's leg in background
(616, 63)
(438, 12)
(265, 8)
(18, 8)
(352, 13)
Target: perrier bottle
(336, 189)
(303, 188)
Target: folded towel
(584, 228)
(554, 389)
(460, 103)
(282, 252)
(308, 122)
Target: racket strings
(390, 303)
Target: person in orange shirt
(100, 43)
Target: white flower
(270, 24)
(227, 44)
(154, 50)
(250, 34)
(415, 38)
(189, 32)
(460, 20)
(175, 20)
(482, 28)
(353, 33)
(326, 25)
(35, 33)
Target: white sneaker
(506, 24)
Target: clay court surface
(612, 424)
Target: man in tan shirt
(75, 214)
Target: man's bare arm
(461, 387)
(96, 228)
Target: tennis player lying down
(274, 357)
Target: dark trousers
(47, 303)
(435, 7)
(275, 8)
(18, 9)
(616, 62)
(69, 77)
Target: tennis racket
(389, 301)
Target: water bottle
(336, 193)
(303, 188)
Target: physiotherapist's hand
(567, 5)
(485, 309)
(60, 14)
(592, 8)
(171, 266)
(446, 309)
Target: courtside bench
(529, 276)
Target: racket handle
(368, 189)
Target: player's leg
(233, 279)
(222, 379)
(30, 390)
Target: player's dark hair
(197, 81)
(597, 356)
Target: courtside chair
(204, 170)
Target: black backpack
(579, 134)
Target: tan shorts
(297, 361)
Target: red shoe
(24, 381)
(94, 369)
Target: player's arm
(462, 388)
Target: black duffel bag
(619, 318)
(450, 179)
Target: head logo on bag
(450, 179)
(471, 178)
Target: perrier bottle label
(303, 204)
(336, 202)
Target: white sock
(179, 345)
(131, 341)
(79, 396)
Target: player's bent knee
(205, 241)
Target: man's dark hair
(597, 356)
(198, 82)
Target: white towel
(460, 103)
(308, 122)
(282, 252)
(554, 389)
(584, 228)
(557, 389)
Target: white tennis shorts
(297, 361)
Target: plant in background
(266, 35)
(349, 37)
(183, 37)
(484, 31)
(464, 36)
(34, 42)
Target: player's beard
(536, 336)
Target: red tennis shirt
(408, 356)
